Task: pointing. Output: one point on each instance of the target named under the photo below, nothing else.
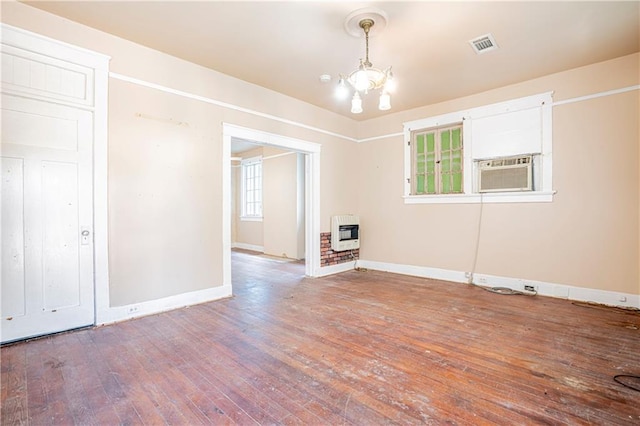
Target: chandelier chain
(366, 24)
(366, 36)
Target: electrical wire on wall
(477, 249)
(355, 263)
(353, 257)
(498, 290)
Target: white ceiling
(285, 46)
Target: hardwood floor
(359, 348)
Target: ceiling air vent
(483, 43)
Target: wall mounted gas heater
(345, 232)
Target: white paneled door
(47, 230)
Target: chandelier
(366, 77)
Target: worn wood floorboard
(359, 348)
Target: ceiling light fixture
(366, 77)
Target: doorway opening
(304, 158)
(267, 200)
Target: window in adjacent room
(437, 161)
(251, 188)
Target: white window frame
(543, 160)
(244, 165)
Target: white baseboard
(416, 271)
(121, 313)
(562, 291)
(251, 247)
(334, 269)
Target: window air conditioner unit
(505, 174)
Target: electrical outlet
(482, 280)
(529, 287)
(133, 309)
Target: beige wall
(301, 213)
(250, 232)
(165, 203)
(163, 193)
(280, 203)
(246, 231)
(278, 232)
(588, 235)
(235, 166)
(165, 179)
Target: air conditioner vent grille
(506, 174)
(504, 180)
(483, 43)
(507, 161)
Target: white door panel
(43, 76)
(60, 248)
(49, 132)
(47, 271)
(13, 297)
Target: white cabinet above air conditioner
(505, 174)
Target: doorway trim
(312, 192)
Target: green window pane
(457, 182)
(456, 163)
(445, 140)
(431, 184)
(431, 146)
(431, 163)
(446, 185)
(456, 142)
(445, 162)
(420, 167)
(420, 184)
(420, 143)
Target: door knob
(85, 237)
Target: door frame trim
(101, 193)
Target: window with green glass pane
(437, 161)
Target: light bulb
(385, 102)
(361, 79)
(356, 104)
(342, 91)
(390, 84)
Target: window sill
(489, 197)
(251, 218)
